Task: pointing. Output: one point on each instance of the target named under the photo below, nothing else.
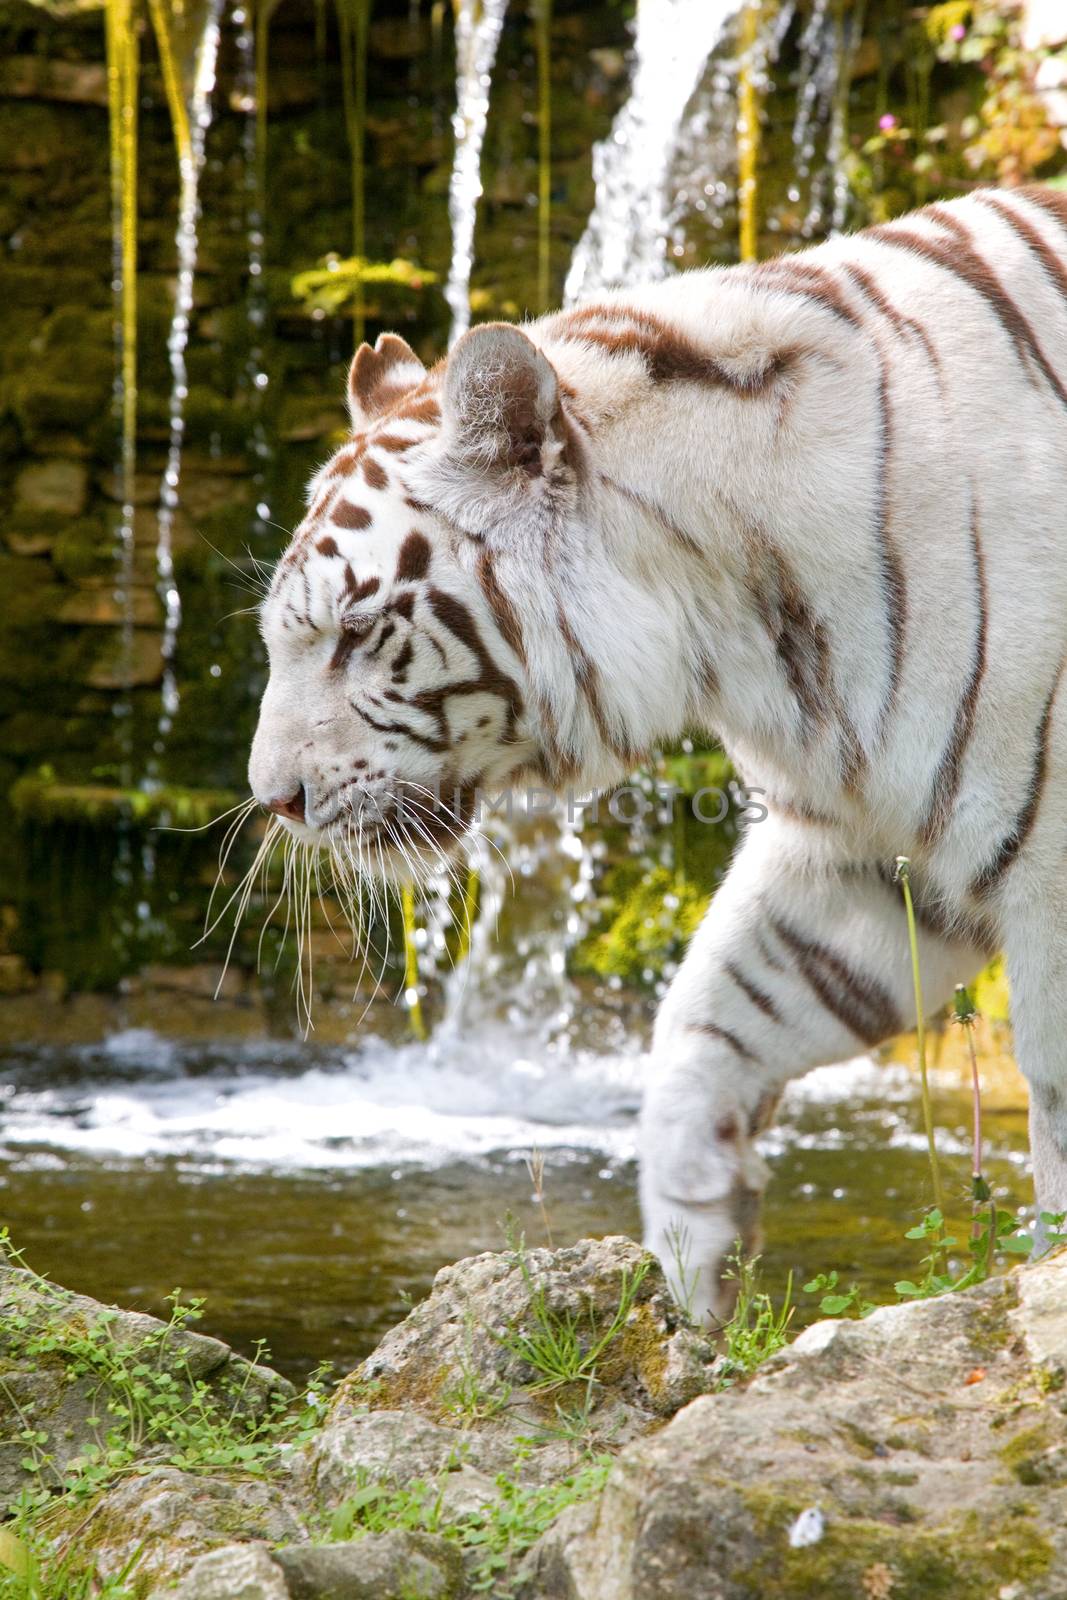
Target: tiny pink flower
(887, 122)
(957, 32)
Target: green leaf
(14, 1555)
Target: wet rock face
(895, 1458)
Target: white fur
(796, 464)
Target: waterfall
(256, 377)
(478, 27)
(191, 161)
(626, 237)
(826, 47)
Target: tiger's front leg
(802, 960)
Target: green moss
(657, 916)
(967, 1558)
(84, 549)
(1024, 1454)
(41, 799)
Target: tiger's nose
(294, 808)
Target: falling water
(626, 238)
(705, 168)
(826, 44)
(478, 26)
(256, 376)
(191, 161)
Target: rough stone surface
(167, 1519)
(384, 1566)
(919, 1436)
(57, 486)
(446, 1392)
(236, 1572)
(462, 1330)
(918, 1455)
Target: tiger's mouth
(408, 830)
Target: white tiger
(816, 508)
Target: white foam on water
(378, 1106)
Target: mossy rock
(47, 802)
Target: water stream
(190, 165)
(626, 239)
(478, 28)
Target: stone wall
(71, 887)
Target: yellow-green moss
(38, 798)
(968, 1558)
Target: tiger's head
(399, 687)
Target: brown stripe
(713, 1031)
(354, 591)
(812, 282)
(816, 284)
(435, 746)
(669, 356)
(1053, 266)
(1052, 201)
(374, 473)
(656, 512)
(768, 954)
(346, 460)
(802, 646)
(503, 611)
(413, 561)
(423, 409)
(1020, 831)
(392, 442)
(894, 584)
(755, 994)
(858, 1001)
(588, 680)
(904, 325)
(961, 258)
(949, 772)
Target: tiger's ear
(501, 406)
(378, 378)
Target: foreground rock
(918, 1455)
(452, 1390)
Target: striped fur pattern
(815, 507)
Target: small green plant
(836, 1300)
(494, 1535)
(563, 1346)
(686, 1278)
(756, 1328)
(468, 1400)
(378, 1507)
(999, 1233)
(144, 1396)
